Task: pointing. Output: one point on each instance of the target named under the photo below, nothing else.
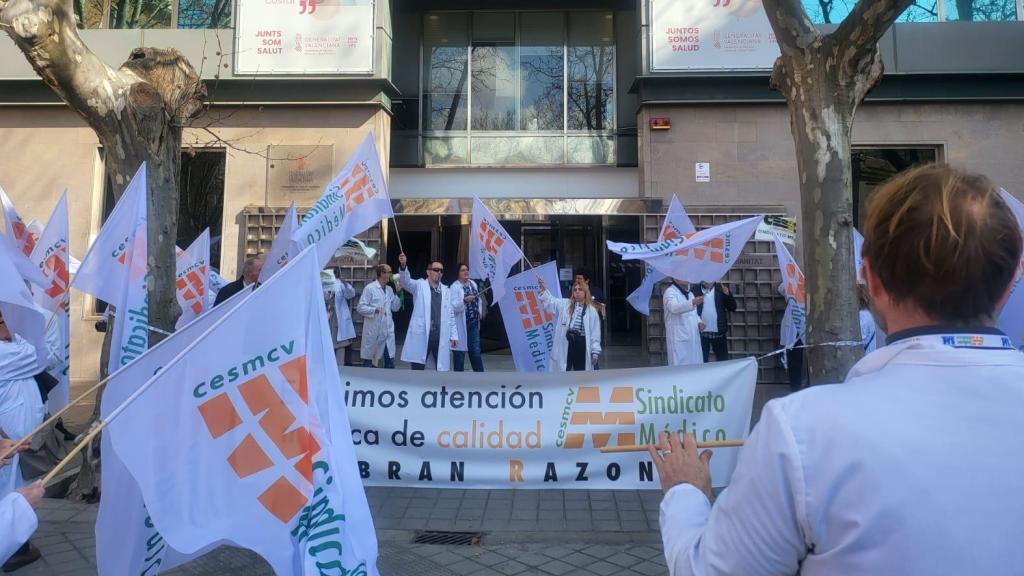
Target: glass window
(446, 65)
(834, 11)
(204, 13)
(591, 73)
(541, 71)
(140, 14)
(980, 10)
(495, 92)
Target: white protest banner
(356, 199)
(127, 541)
(677, 225)
(284, 245)
(52, 258)
(1011, 318)
(530, 328)
(794, 322)
(114, 270)
(701, 256)
(492, 252)
(858, 263)
(770, 226)
(24, 238)
(261, 415)
(542, 432)
(192, 282)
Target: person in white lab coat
(912, 465)
(337, 294)
(682, 324)
(21, 410)
(469, 310)
(376, 304)
(432, 332)
(18, 520)
(577, 344)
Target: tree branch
(794, 31)
(868, 22)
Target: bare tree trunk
(824, 78)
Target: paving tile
(605, 515)
(510, 568)
(622, 559)
(651, 568)
(556, 567)
(468, 568)
(604, 568)
(600, 551)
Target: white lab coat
(868, 333)
(459, 308)
(376, 305)
(560, 347)
(343, 292)
(17, 523)
(910, 467)
(682, 327)
(21, 408)
(415, 348)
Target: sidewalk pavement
(543, 532)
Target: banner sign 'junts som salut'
(441, 431)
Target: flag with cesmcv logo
(284, 245)
(127, 540)
(492, 252)
(794, 321)
(261, 415)
(677, 225)
(1011, 317)
(54, 261)
(701, 256)
(356, 199)
(114, 270)
(192, 282)
(24, 238)
(530, 327)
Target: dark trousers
(432, 341)
(386, 360)
(473, 346)
(576, 353)
(795, 363)
(719, 344)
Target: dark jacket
(229, 290)
(724, 303)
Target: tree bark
(137, 112)
(824, 78)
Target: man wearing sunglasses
(432, 331)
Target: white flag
(794, 322)
(530, 328)
(114, 270)
(284, 246)
(19, 311)
(127, 541)
(192, 283)
(701, 256)
(677, 225)
(858, 263)
(52, 258)
(1011, 317)
(355, 200)
(214, 283)
(262, 417)
(24, 237)
(492, 252)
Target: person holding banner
(432, 332)
(376, 304)
(868, 477)
(468, 310)
(577, 344)
(682, 324)
(250, 274)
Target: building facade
(575, 121)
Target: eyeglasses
(438, 270)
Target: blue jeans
(473, 344)
(389, 362)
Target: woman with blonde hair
(577, 343)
